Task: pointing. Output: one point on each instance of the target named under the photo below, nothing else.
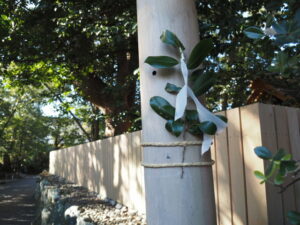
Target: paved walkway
(17, 202)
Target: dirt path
(17, 202)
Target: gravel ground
(94, 209)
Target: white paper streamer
(181, 99)
(203, 113)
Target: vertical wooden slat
(238, 188)
(89, 172)
(116, 172)
(80, 165)
(141, 172)
(140, 188)
(223, 175)
(284, 143)
(269, 140)
(111, 168)
(127, 150)
(256, 195)
(215, 177)
(97, 166)
(106, 166)
(132, 170)
(102, 168)
(124, 143)
(293, 116)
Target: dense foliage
(90, 45)
(240, 60)
(27, 135)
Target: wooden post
(174, 196)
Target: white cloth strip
(203, 113)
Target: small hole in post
(154, 73)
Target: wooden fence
(112, 166)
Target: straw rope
(171, 144)
(195, 164)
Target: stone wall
(64, 203)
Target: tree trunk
(6, 163)
(116, 101)
(95, 126)
(174, 196)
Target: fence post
(174, 196)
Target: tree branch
(283, 189)
(72, 114)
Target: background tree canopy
(82, 55)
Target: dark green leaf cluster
(280, 165)
(198, 54)
(294, 217)
(201, 83)
(191, 123)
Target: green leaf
(290, 166)
(278, 179)
(270, 169)
(254, 32)
(191, 116)
(282, 170)
(263, 152)
(223, 118)
(259, 175)
(161, 62)
(175, 127)
(279, 154)
(171, 39)
(202, 82)
(287, 157)
(199, 53)
(4, 17)
(280, 28)
(172, 88)
(162, 107)
(195, 130)
(208, 127)
(294, 217)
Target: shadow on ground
(17, 206)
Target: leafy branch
(202, 82)
(280, 167)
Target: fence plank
(223, 174)
(102, 188)
(236, 168)
(215, 177)
(269, 140)
(293, 116)
(117, 167)
(140, 188)
(256, 196)
(283, 142)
